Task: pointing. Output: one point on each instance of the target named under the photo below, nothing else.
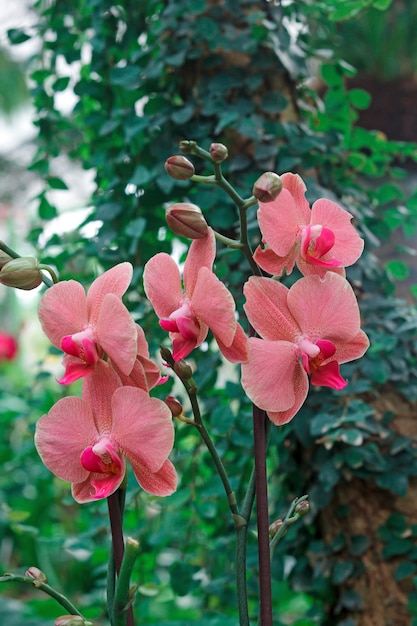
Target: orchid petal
(162, 283)
(237, 352)
(142, 427)
(201, 254)
(62, 435)
(74, 370)
(268, 374)
(213, 303)
(160, 483)
(300, 382)
(116, 333)
(63, 311)
(267, 309)
(328, 375)
(115, 280)
(325, 307)
(272, 263)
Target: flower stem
(115, 504)
(240, 521)
(61, 599)
(260, 444)
(122, 605)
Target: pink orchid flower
(8, 347)
(87, 440)
(317, 240)
(205, 302)
(86, 327)
(306, 331)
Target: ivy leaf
(398, 269)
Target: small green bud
(183, 370)
(179, 167)
(268, 187)
(36, 574)
(174, 406)
(218, 152)
(186, 146)
(21, 273)
(186, 219)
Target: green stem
(289, 519)
(46, 281)
(122, 608)
(240, 521)
(50, 591)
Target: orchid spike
(87, 440)
(318, 240)
(205, 302)
(305, 332)
(88, 326)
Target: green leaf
(141, 176)
(399, 270)
(404, 570)
(342, 571)
(382, 5)
(359, 98)
(56, 183)
(182, 116)
(45, 210)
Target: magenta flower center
(182, 321)
(316, 241)
(101, 458)
(81, 345)
(313, 356)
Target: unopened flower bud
(274, 527)
(166, 355)
(267, 187)
(36, 574)
(174, 405)
(21, 273)
(72, 620)
(186, 146)
(4, 258)
(179, 167)
(183, 370)
(218, 152)
(302, 508)
(186, 219)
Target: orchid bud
(302, 508)
(186, 146)
(183, 370)
(36, 574)
(186, 219)
(274, 527)
(21, 273)
(174, 406)
(4, 258)
(179, 167)
(267, 187)
(218, 152)
(72, 620)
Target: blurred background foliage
(275, 82)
